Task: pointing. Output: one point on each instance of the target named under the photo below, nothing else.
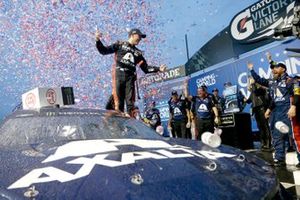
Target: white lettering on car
(153, 149)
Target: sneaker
(279, 163)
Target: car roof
(56, 111)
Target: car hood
(134, 169)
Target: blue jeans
(279, 139)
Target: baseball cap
(215, 89)
(137, 31)
(174, 92)
(203, 87)
(281, 65)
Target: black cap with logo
(281, 65)
(137, 31)
(174, 92)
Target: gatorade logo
(260, 19)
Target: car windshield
(35, 129)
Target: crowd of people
(189, 116)
(274, 101)
(276, 108)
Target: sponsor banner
(236, 72)
(170, 74)
(258, 21)
(250, 29)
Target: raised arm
(104, 50)
(256, 77)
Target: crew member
(179, 117)
(259, 104)
(218, 100)
(281, 91)
(205, 111)
(153, 116)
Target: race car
(73, 153)
(51, 150)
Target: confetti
(51, 44)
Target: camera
(292, 29)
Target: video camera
(292, 29)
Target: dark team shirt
(127, 56)
(259, 97)
(203, 107)
(153, 115)
(219, 102)
(178, 109)
(281, 89)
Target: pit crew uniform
(281, 91)
(178, 117)
(153, 117)
(202, 109)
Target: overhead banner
(259, 20)
(236, 72)
(170, 74)
(250, 29)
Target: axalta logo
(259, 20)
(89, 153)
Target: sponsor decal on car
(78, 151)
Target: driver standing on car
(127, 57)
